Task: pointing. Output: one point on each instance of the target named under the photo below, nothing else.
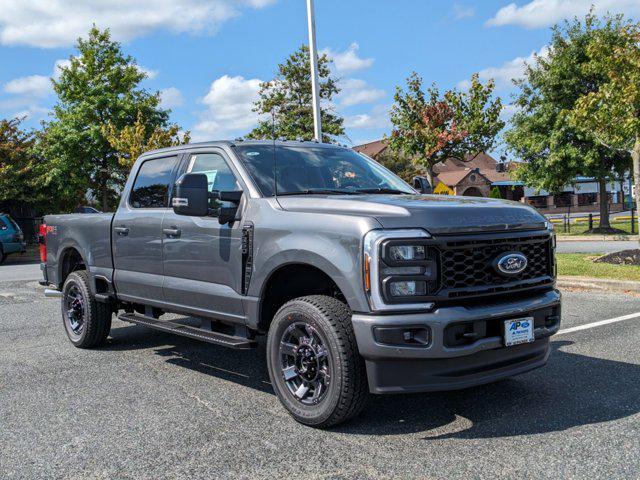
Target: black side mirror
(192, 195)
(227, 214)
(422, 185)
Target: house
(475, 177)
(479, 175)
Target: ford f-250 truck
(360, 283)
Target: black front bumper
(446, 363)
(439, 374)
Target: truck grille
(466, 264)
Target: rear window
(9, 223)
(151, 187)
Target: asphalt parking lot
(152, 405)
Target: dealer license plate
(518, 330)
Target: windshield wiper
(381, 190)
(321, 191)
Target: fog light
(406, 253)
(408, 288)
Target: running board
(216, 338)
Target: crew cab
(359, 282)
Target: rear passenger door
(203, 259)
(137, 231)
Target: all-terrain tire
(330, 321)
(95, 318)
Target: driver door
(202, 260)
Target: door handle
(171, 232)
(122, 231)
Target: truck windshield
(308, 170)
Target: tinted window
(151, 188)
(220, 176)
(315, 168)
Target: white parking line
(599, 323)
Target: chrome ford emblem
(510, 263)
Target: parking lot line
(599, 323)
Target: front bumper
(441, 366)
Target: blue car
(11, 237)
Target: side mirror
(227, 214)
(192, 195)
(422, 185)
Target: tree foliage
(495, 193)
(100, 87)
(431, 127)
(133, 140)
(611, 111)
(19, 168)
(285, 102)
(554, 150)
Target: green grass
(579, 228)
(581, 264)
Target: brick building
(478, 176)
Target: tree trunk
(604, 203)
(635, 156)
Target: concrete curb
(597, 238)
(606, 284)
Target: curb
(606, 284)
(596, 238)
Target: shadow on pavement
(572, 390)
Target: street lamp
(313, 57)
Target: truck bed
(88, 233)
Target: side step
(216, 338)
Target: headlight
(400, 269)
(406, 253)
(407, 288)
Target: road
(151, 405)
(595, 247)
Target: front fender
(341, 261)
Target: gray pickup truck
(359, 282)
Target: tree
(18, 166)
(495, 193)
(286, 101)
(431, 127)
(101, 86)
(554, 150)
(611, 111)
(133, 140)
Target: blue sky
(208, 56)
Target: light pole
(315, 87)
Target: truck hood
(439, 214)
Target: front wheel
(314, 364)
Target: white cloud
(151, 74)
(171, 97)
(461, 12)
(58, 23)
(31, 86)
(543, 13)
(508, 111)
(229, 108)
(356, 92)
(378, 117)
(348, 61)
(513, 69)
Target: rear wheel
(3, 256)
(86, 321)
(314, 364)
